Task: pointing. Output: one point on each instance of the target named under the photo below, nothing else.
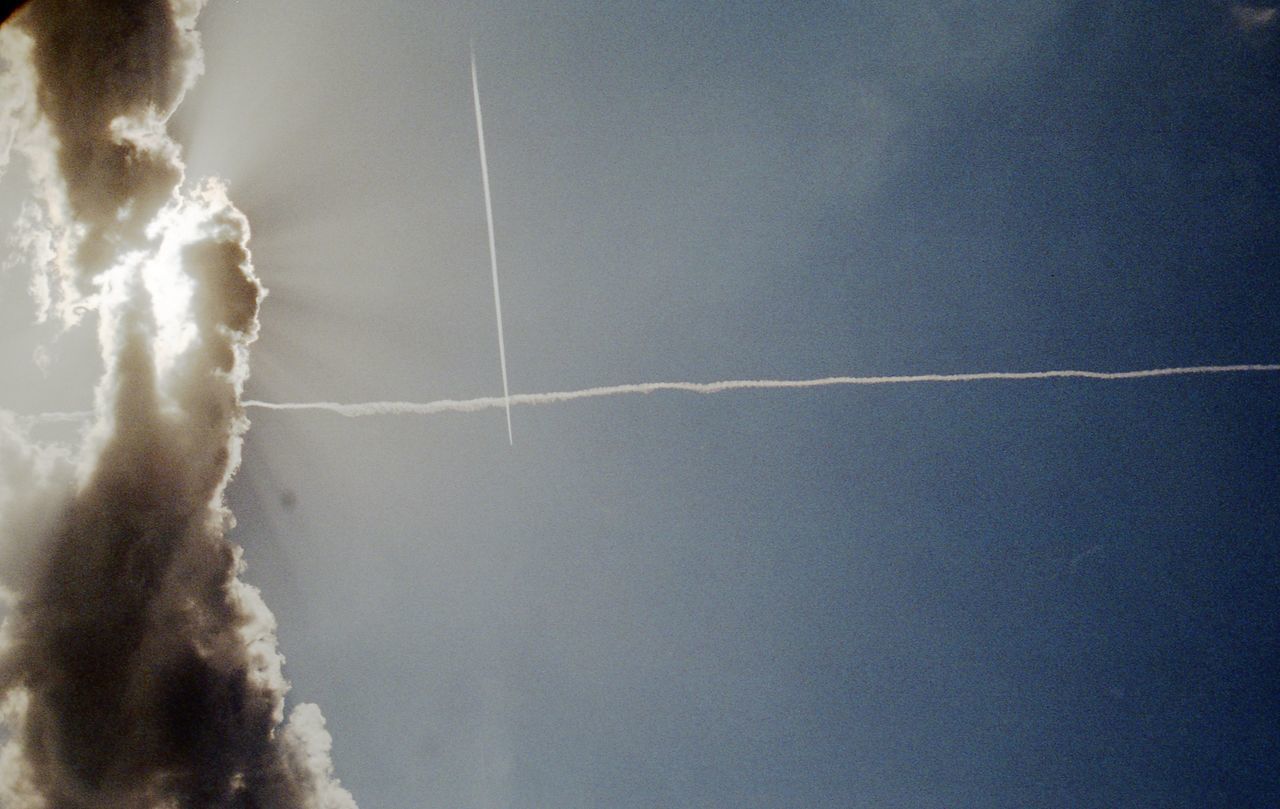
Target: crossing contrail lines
(360, 409)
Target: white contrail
(68, 417)
(493, 250)
(358, 409)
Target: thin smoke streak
(359, 409)
(57, 417)
(493, 250)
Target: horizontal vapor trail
(359, 409)
(68, 417)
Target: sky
(1051, 593)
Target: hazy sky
(1004, 594)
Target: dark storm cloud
(110, 74)
(7, 7)
(139, 672)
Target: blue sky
(1049, 593)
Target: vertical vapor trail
(493, 250)
(137, 669)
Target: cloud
(1252, 18)
(138, 671)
